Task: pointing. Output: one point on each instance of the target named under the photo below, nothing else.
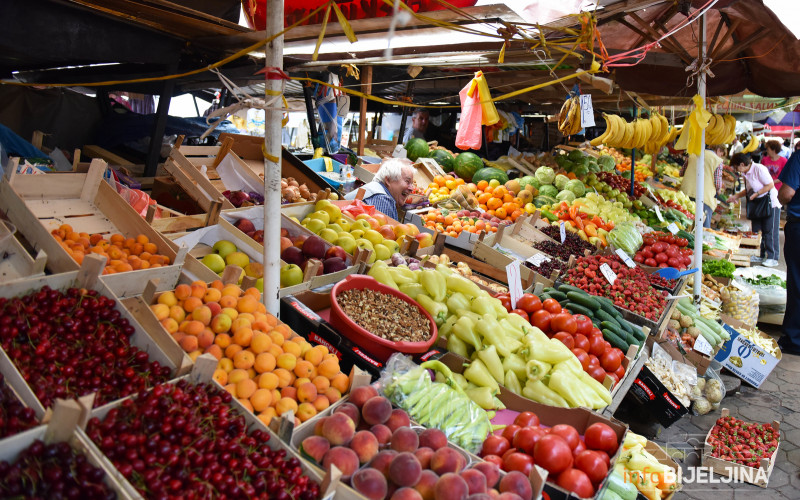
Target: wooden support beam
(366, 87)
(731, 28)
(154, 150)
(654, 35)
(738, 48)
(712, 45)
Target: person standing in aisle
(390, 188)
(419, 125)
(758, 184)
(790, 198)
(774, 161)
(689, 183)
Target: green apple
(391, 245)
(364, 244)
(382, 252)
(357, 233)
(336, 227)
(373, 236)
(343, 223)
(224, 247)
(260, 284)
(321, 215)
(347, 242)
(215, 262)
(291, 275)
(329, 235)
(237, 259)
(333, 211)
(361, 224)
(315, 225)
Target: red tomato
(495, 445)
(579, 448)
(582, 342)
(529, 302)
(527, 437)
(597, 373)
(521, 312)
(509, 432)
(552, 306)
(506, 301)
(600, 436)
(592, 464)
(582, 357)
(650, 262)
(541, 320)
(603, 454)
(595, 331)
(620, 373)
(553, 453)
(509, 452)
(608, 345)
(567, 432)
(567, 339)
(613, 375)
(527, 419)
(597, 345)
(584, 324)
(611, 360)
(593, 361)
(518, 461)
(564, 323)
(494, 459)
(576, 481)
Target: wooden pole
(366, 87)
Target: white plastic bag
(768, 295)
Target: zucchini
(608, 494)
(584, 299)
(569, 288)
(559, 296)
(615, 340)
(625, 489)
(716, 327)
(577, 308)
(549, 215)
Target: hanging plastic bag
(489, 111)
(469, 129)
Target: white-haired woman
(391, 186)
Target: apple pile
(298, 253)
(383, 457)
(227, 254)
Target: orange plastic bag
(358, 207)
(469, 128)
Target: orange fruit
(284, 405)
(314, 355)
(268, 381)
(246, 388)
(328, 368)
(223, 340)
(265, 362)
(321, 402)
(244, 359)
(321, 383)
(243, 336)
(221, 376)
(303, 368)
(194, 328)
(261, 399)
(214, 350)
(292, 348)
(260, 343)
(192, 303)
(285, 377)
(232, 350)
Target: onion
(284, 184)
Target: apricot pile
(262, 363)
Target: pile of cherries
(14, 417)
(69, 344)
(186, 439)
(52, 471)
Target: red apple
(285, 243)
(336, 251)
(245, 226)
(320, 269)
(387, 232)
(293, 255)
(314, 247)
(298, 241)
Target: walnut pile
(385, 315)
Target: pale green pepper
(509, 329)
(469, 314)
(402, 275)
(380, 272)
(553, 351)
(492, 334)
(464, 329)
(568, 387)
(463, 285)
(478, 374)
(434, 283)
(596, 386)
(460, 380)
(482, 396)
(437, 310)
(515, 363)
(447, 326)
(412, 289)
(483, 306)
(536, 370)
(457, 346)
(511, 382)
(492, 361)
(520, 324)
(457, 301)
(443, 270)
(537, 391)
(500, 311)
(534, 337)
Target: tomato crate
(38, 204)
(758, 476)
(156, 343)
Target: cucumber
(569, 288)
(614, 327)
(713, 325)
(544, 297)
(602, 315)
(638, 333)
(577, 308)
(584, 299)
(608, 306)
(625, 489)
(614, 339)
(559, 296)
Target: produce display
(122, 254)
(641, 469)
(506, 202)
(261, 362)
(631, 289)
(547, 267)
(454, 222)
(225, 253)
(443, 187)
(293, 192)
(651, 133)
(84, 331)
(390, 317)
(616, 185)
(182, 437)
(754, 336)
(677, 200)
(706, 395)
(720, 268)
(664, 250)
(578, 463)
(676, 382)
(742, 442)
(771, 280)
(52, 471)
(573, 243)
(241, 199)
(14, 417)
(589, 227)
(464, 270)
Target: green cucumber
(602, 315)
(638, 333)
(614, 339)
(569, 288)
(544, 296)
(608, 306)
(577, 308)
(584, 299)
(614, 327)
(559, 296)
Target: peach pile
(384, 458)
(262, 363)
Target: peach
(350, 410)
(398, 418)
(307, 392)
(446, 460)
(405, 469)
(305, 411)
(365, 444)
(338, 429)
(289, 392)
(518, 483)
(382, 460)
(406, 493)
(361, 395)
(426, 484)
(376, 410)
(343, 458)
(508, 495)
(382, 434)
(433, 439)
(451, 487)
(318, 426)
(476, 481)
(370, 483)
(490, 470)
(405, 439)
(424, 456)
(483, 496)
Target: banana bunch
(752, 145)
(651, 133)
(721, 130)
(569, 118)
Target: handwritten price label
(625, 258)
(610, 275)
(701, 345)
(514, 282)
(563, 231)
(538, 259)
(658, 213)
(672, 228)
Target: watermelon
(417, 148)
(541, 201)
(466, 164)
(489, 173)
(444, 159)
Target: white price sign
(625, 258)
(610, 275)
(514, 282)
(701, 345)
(658, 213)
(587, 111)
(563, 231)
(538, 259)
(672, 228)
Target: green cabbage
(548, 190)
(575, 155)
(529, 180)
(607, 163)
(625, 236)
(561, 181)
(545, 175)
(577, 187)
(566, 195)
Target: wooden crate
(37, 204)
(15, 262)
(185, 163)
(156, 343)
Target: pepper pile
(741, 442)
(631, 290)
(664, 250)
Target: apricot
(231, 291)
(300, 381)
(177, 313)
(214, 350)
(307, 392)
(340, 382)
(228, 302)
(244, 359)
(221, 323)
(318, 426)
(315, 447)
(284, 405)
(268, 381)
(245, 388)
(223, 340)
(289, 392)
(321, 402)
(192, 303)
(221, 376)
(246, 304)
(232, 350)
(265, 362)
(189, 343)
(287, 361)
(212, 295)
(226, 364)
(260, 342)
(267, 415)
(168, 299)
(170, 325)
(293, 348)
(305, 411)
(315, 354)
(205, 339)
(261, 399)
(285, 377)
(277, 339)
(243, 336)
(303, 368)
(237, 375)
(161, 311)
(333, 394)
(321, 383)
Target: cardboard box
(742, 357)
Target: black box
(656, 398)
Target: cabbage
(548, 190)
(576, 187)
(561, 181)
(545, 175)
(607, 163)
(529, 180)
(565, 195)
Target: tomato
(620, 373)
(581, 446)
(552, 306)
(584, 324)
(529, 302)
(494, 459)
(650, 262)
(576, 481)
(592, 464)
(608, 345)
(611, 360)
(567, 432)
(597, 373)
(582, 342)
(527, 437)
(597, 345)
(518, 461)
(521, 312)
(676, 262)
(672, 251)
(495, 445)
(647, 253)
(582, 357)
(638, 258)
(659, 247)
(600, 436)
(595, 331)
(593, 361)
(604, 455)
(614, 377)
(509, 432)
(506, 301)
(541, 320)
(509, 452)
(564, 323)
(565, 338)
(661, 257)
(527, 419)
(553, 453)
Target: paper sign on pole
(587, 111)
(563, 231)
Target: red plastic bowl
(377, 346)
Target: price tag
(625, 258)
(587, 111)
(701, 345)
(563, 231)
(514, 282)
(672, 228)
(610, 275)
(538, 259)
(658, 213)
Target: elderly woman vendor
(390, 187)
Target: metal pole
(633, 155)
(699, 215)
(272, 162)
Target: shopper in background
(737, 145)
(774, 161)
(790, 197)
(759, 184)
(688, 185)
(419, 125)
(390, 188)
